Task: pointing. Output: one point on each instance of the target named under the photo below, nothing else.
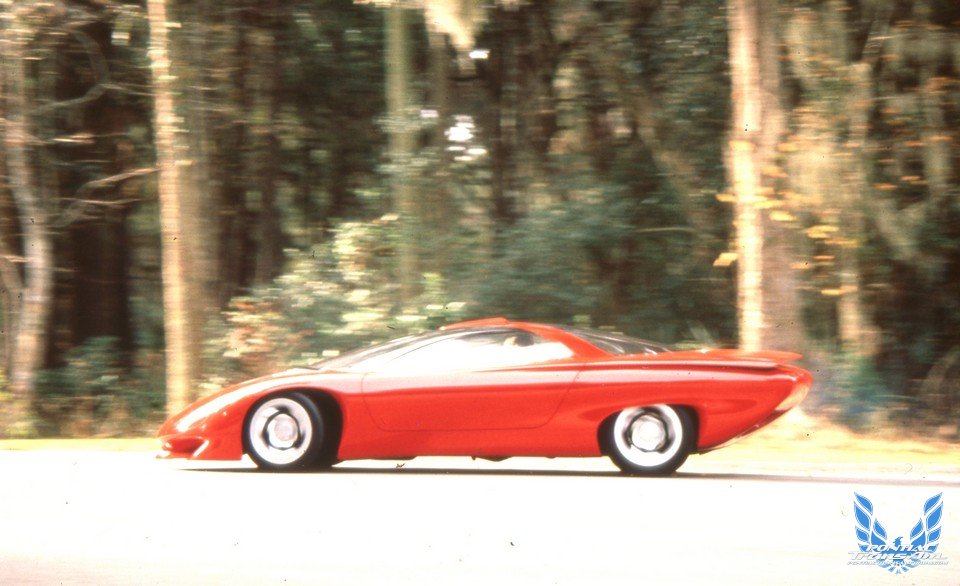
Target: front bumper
(202, 443)
(182, 446)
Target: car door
(500, 379)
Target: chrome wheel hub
(648, 436)
(648, 433)
(280, 431)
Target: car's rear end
(768, 386)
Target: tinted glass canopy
(478, 348)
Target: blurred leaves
(337, 297)
(94, 395)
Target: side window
(479, 351)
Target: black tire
(286, 431)
(652, 440)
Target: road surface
(126, 518)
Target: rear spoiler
(766, 360)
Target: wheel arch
(323, 399)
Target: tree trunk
(434, 186)
(192, 51)
(235, 247)
(30, 316)
(341, 199)
(502, 122)
(270, 235)
(401, 148)
(858, 333)
(181, 346)
(768, 299)
(744, 169)
(437, 208)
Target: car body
(495, 388)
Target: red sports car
(493, 389)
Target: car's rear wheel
(285, 432)
(651, 440)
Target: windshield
(617, 344)
(374, 356)
(478, 350)
(349, 359)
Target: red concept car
(493, 389)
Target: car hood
(199, 410)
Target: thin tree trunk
(340, 196)
(434, 206)
(270, 248)
(29, 327)
(305, 199)
(501, 123)
(235, 248)
(401, 147)
(437, 208)
(193, 52)
(856, 328)
(182, 350)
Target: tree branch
(78, 207)
(99, 66)
(114, 179)
(879, 27)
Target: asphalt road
(125, 518)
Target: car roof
(578, 345)
(489, 321)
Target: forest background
(194, 192)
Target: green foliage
(612, 253)
(859, 390)
(543, 272)
(853, 390)
(93, 394)
(338, 297)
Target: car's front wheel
(285, 432)
(651, 440)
